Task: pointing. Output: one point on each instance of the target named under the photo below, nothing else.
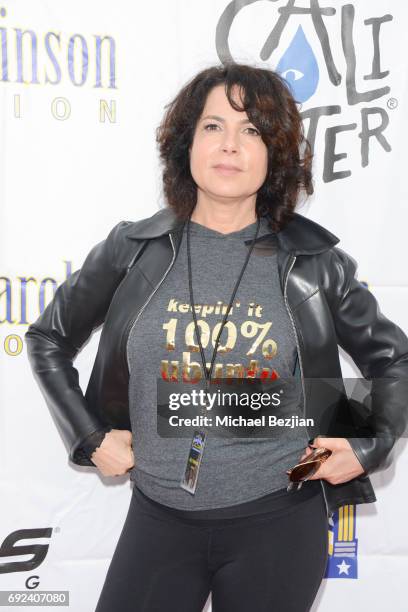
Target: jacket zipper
(300, 359)
(133, 323)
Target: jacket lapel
(300, 236)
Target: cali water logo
(298, 64)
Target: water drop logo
(299, 67)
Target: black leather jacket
(328, 307)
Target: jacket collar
(300, 236)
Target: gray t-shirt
(233, 470)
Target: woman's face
(227, 137)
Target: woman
(184, 296)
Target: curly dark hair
(271, 107)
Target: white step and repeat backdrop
(83, 87)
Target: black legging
(273, 562)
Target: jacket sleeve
(55, 338)
(379, 348)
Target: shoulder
(127, 237)
(121, 249)
(336, 271)
(338, 262)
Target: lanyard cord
(206, 372)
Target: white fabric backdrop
(78, 156)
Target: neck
(224, 217)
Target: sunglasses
(306, 468)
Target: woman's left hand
(341, 466)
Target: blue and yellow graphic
(342, 558)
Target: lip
(227, 168)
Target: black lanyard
(190, 474)
(206, 372)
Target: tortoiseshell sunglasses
(306, 468)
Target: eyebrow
(218, 118)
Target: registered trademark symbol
(57, 529)
(392, 103)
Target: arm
(379, 348)
(55, 338)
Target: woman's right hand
(114, 456)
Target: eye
(257, 133)
(210, 125)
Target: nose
(230, 142)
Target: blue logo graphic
(342, 560)
(298, 66)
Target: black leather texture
(329, 307)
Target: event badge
(189, 480)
